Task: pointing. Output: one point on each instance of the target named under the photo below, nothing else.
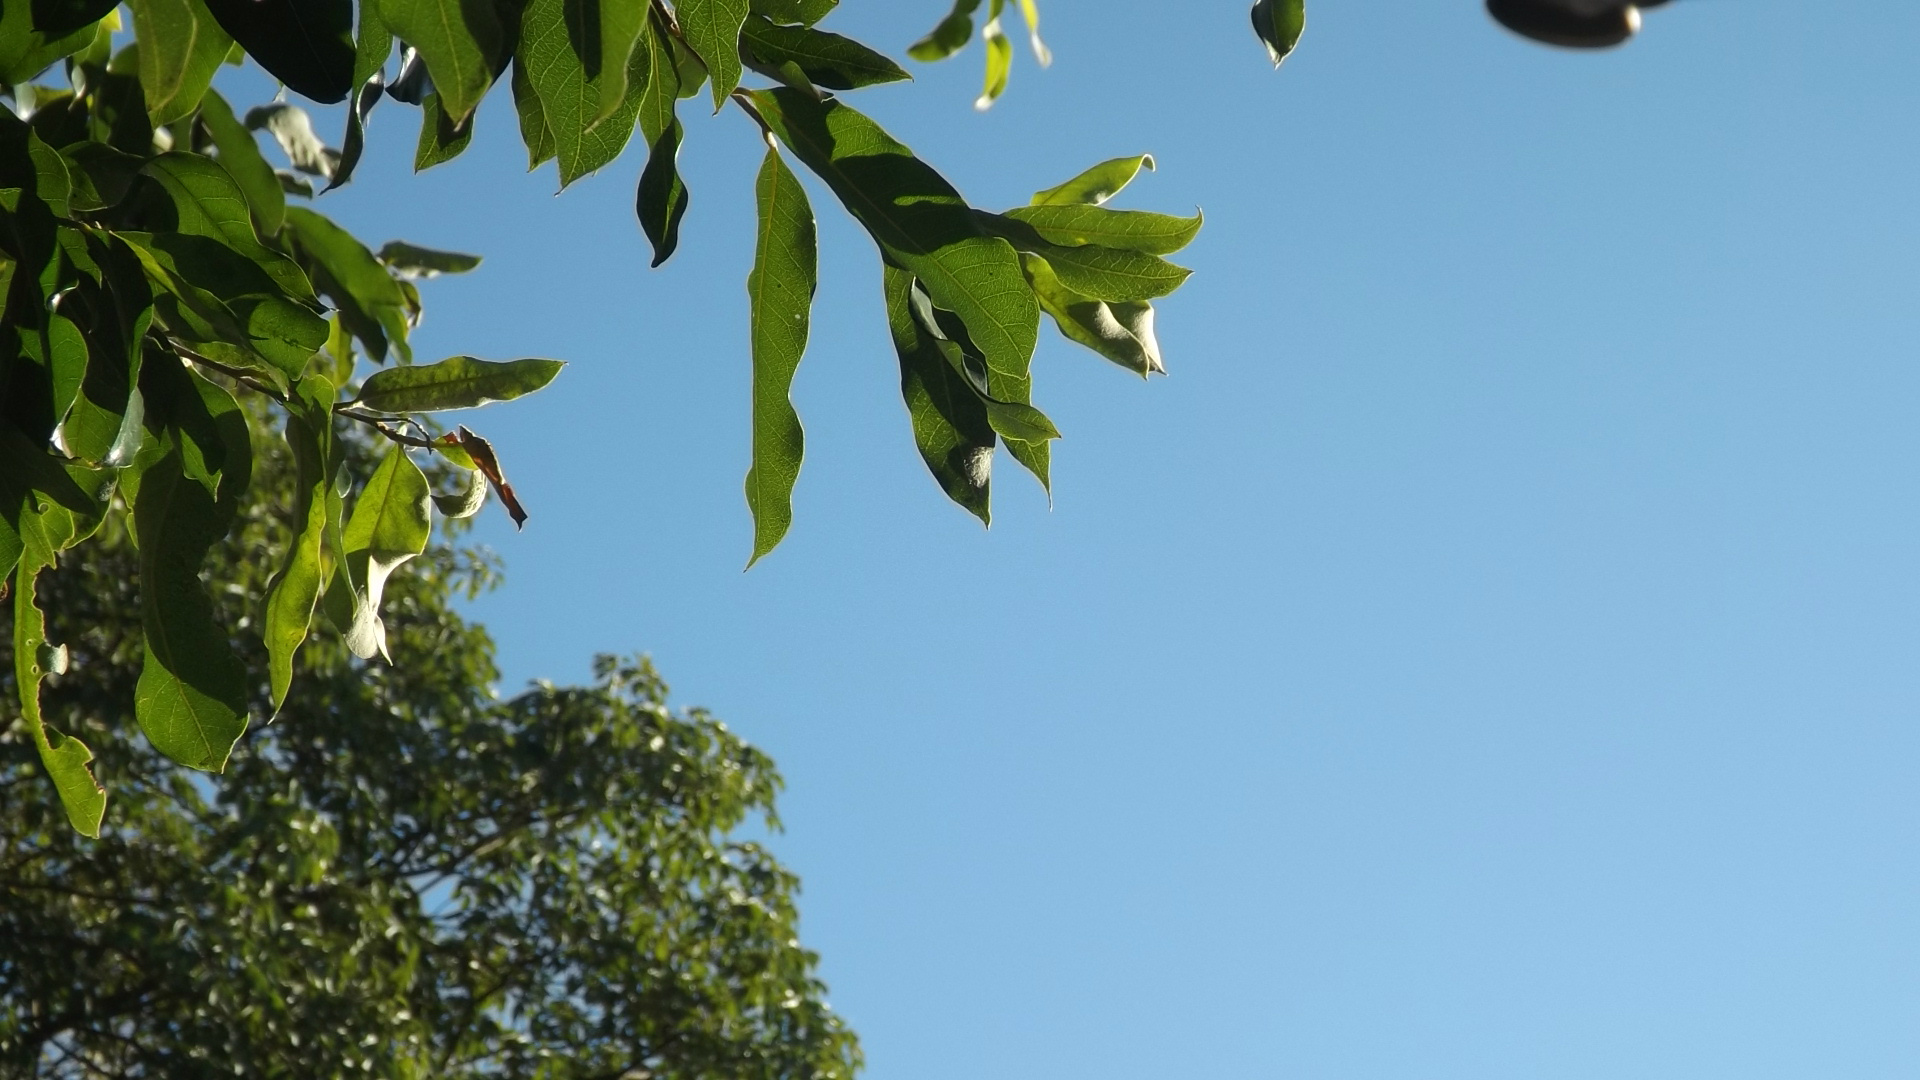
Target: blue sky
(1490, 653)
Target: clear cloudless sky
(1491, 653)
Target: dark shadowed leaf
(661, 200)
(419, 262)
(1279, 23)
(307, 44)
(370, 300)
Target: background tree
(405, 876)
(153, 270)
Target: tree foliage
(157, 272)
(406, 876)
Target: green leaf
(920, 224)
(999, 58)
(419, 262)
(226, 305)
(209, 203)
(792, 12)
(26, 51)
(192, 693)
(296, 588)
(712, 31)
(1014, 420)
(101, 175)
(780, 299)
(570, 95)
(181, 46)
(372, 45)
(307, 44)
(662, 198)
(390, 525)
(458, 382)
(1041, 54)
(1123, 333)
(1035, 457)
(660, 90)
(1125, 230)
(370, 301)
(104, 423)
(949, 420)
(950, 36)
(534, 131)
(441, 138)
(1096, 185)
(828, 60)
(66, 759)
(605, 33)
(56, 17)
(1279, 23)
(292, 128)
(1099, 272)
(465, 503)
(462, 42)
(240, 156)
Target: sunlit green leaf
(240, 156)
(1126, 230)
(1099, 272)
(570, 96)
(1096, 185)
(296, 587)
(920, 224)
(829, 60)
(416, 261)
(999, 57)
(181, 46)
(458, 382)
(462, 42)
(780, 299)
(1123, 333)
(191, 696)
(950, 36)
(949, 420)
(441, 138)
(793, 12)
(390, 525)
(712, 31)
(369, 299)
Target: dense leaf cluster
(153, 267)
(405, 876)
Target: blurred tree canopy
(405, 875)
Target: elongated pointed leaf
(950, 426)
(1099, 272)
(1278, 24)
(208, 202)
(780, 300)
(1035, 457)
(181, 46)
(191, 696)
(296, 588)
(712, 30)
(240, 156)
(390, 525)
(307, 44)
(1123, 333)
(441, 138)
(458, 382)
(56, 17)
(1125, 230)
(419, 262)
(793, 12)
(462, 43)
(372, 45)
(570, 95)
(1096, 185)
(1031, 12)
(829, 60)
(534, 131)
(370, 300)
(999, 58)
(920, 223)
(661, 200)
(605, 34)
(950, 36)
